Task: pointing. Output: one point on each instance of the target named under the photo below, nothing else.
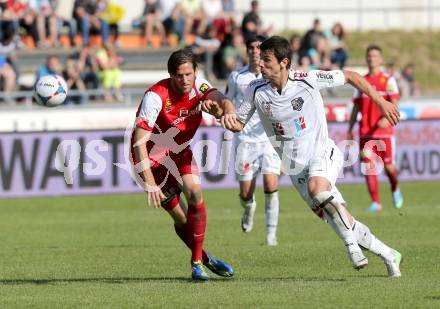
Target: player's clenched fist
(229, 121)
(211, 107)
(390, 111)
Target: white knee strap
(327, 202)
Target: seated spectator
(233, 54)
(59, 20)
(192, 12)
(8, 48)
(211, 10)
(43, 14)
(51, 67)
(229, 9)
(338, 48)
(88, 66)
(151, 21)
(252, 25)
(304, 64)
(310, 38)
(110, 73)
(295, 44)
(205, 47)
(172, 18)
(113, 14)
(20, 15)
(411, 87)
(72, 76)
(7, 77)
(319, 56)
(88, 17)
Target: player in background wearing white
(254, 152)
(296, 125)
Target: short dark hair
(373, 47)
(255, 38)
(280, 48)
(180, 57)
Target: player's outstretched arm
(352, 120)
(389, 110)
(154, 193)
(217, 104)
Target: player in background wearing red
(376, 134)
(166, 121)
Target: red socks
(392, 176)
(196, 226)
(373, 187)
(193, 234)
(183, 235)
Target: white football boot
(393, 265)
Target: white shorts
(253, 158)
(328, 164)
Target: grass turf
(114, 251)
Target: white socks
(272, 212)
(368, 241)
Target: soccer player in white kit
(254, 152)
(291, 110)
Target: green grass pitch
(115, 252)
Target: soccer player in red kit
(166, 121)
(376, 134)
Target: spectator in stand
(252, 24)
(61, 20)
(304, 64)
(110, 73)
(20, 15)
(7, 77)
(229, 9)
(172, 19)
(88, 66)
(338, 51)
(88, 18)
(205, 47)
(72, 75)
(214, 15)
(7, 20)
(113, 14)
(295, 44)
(211, 10)
(151, 21)
(411, 87)
(192, 11)
(233, 53)
(43, 14)
(319, 55)
(8, 48)
(310, 39)
(51, 67)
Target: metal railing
(129, 97)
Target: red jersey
(386, 85)
(172, 118)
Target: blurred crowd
(210, 27)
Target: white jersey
(238, 82)
(294, 120)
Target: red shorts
(166, 175)
(383, 147)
